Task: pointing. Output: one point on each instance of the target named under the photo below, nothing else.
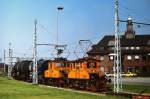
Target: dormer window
(148, 43)
(101, 48)
(111, 43)
(129, 35)
(101, 58)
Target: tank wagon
(23, 70)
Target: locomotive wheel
(102, 85)
(93, 88)
(50, 82)
(98, 86)
(70, 83)
(59, 82)
(87, 87)
(55, 82)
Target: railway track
(131, 95)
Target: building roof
(108, 41)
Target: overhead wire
(44, 28)
(132, 12)
(126, 11)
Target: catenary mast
(35, 74)
(10, 61)
(117, 55)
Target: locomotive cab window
(58, 64)
(72, 65)
(50, 65)
(61, 64)
(91, 65)
(77, 66)
(67, 65)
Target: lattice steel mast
(117, 56)
(35, 73)
(10, 61)
(4, 62)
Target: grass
(12, 89)
(136, 88)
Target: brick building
(135, 51)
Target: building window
(131, 69)
(127, 48)
(144, 57)
(101, 48)
(137, 57)
(148, 43)
(132, 48)
(129, 57)
(149, 56)
(123, 48)
(111, 43)
(137, 48)
(101, 58)
(111, 48)
(102, 69)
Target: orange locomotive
(57, 72)
(86, 74)
(81, 74)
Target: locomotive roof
(59, 60)
(85, 59)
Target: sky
(79, 20)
